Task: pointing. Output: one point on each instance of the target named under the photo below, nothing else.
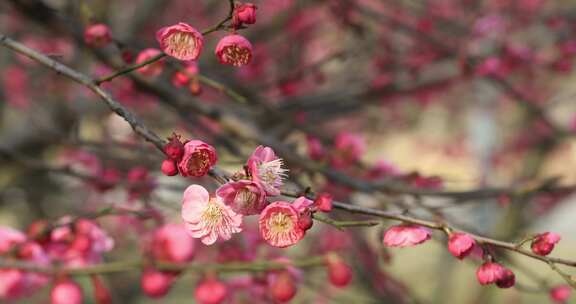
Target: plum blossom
(349, 148)
(406, 235)
(489, 273)
(97, 35)
(152, 69)
(560, 294)
(460, 245)
(156, 284)
(279, 224)
(244, 196)
(244, 13)
(234, 50)
(210, 291)
(180, 41)
(267, 169)
(66, 292)
(198, 158)
(208, 218)
(171, 243)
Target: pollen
(237, 56)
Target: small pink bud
(156, 284)
(97, 35)
(169, 167)
(544, 243)
(508, 279)
(283, 288)
(560, 294)
(101, 293)
(234, 50)
(323, 202)
(174, 149)
(305, 221)
(244, 13)
(66, 292)
(180, 41)
(210, 291)
(460, 245)
(339, 272)
(490, 273)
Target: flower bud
(169, 167)
(156, 284)
(97, 35)
(544, 243)
(490, 273)
(66, 292)
(460, 245)
(283, 288)
(560, 294)
(339, 272)
(244, 13)
(210, 291)
(323, 202)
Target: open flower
(180, 41)
(405, 235)
(279, 225)
(266, 168)
(235, 50)
(208, 218)
(198, 158)
(244, 196)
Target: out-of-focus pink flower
(267, 169)
(348, 149)
(279, 225)
(489, 273)
(339, 273)
(282, 287)
(15, 81)
(460, 244)
(156, 284)
(180, 41)
(244, 196)
(100, 291)
(171, 243)
(140, 183)
(79, 246)
(492, 66)
(153, 69)
(97, 35)
(208, 218)
(406, 235)
(66, 292)
(315, 148)
(234, 50)
(323, 202)
(10, 237)
(106, 179)
(182, 78)
(210, 291)
(560, 294)
(244, 13)
(544, 243)
(198, 158)
(383, 169)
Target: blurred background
(423, 97)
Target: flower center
(181, 43)
(212, 214)
(280, 223)
(237, 56)
(245, 198)
(199, 163)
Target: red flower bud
(544, 243)
(210, 291)
(169, 167)
(283, 288)
(244, 13)
(339, 272)
(66, 292)
(323, 202)
(156, 284)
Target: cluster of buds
(189, 158)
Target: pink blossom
(198, 158)
(11, 283)
(302, 204)
(174, 149)
(279, 224)
(171, 243)
(66, 292)
(349, 148)
(208, 217)
(153, 69)
(544, 243)
(156, 284)
(210, 291)
(406, 235)
(560, 294)
(234, 50)
(180, 41)
(181, 79)
(15, 81)
(244, 196)
(460, 245)
(10, 237)
(267, 169)
(169, 167)
(282, 287)
(339, 273)
(244, 13)
(97, 35)
(490, 273)
(140, 183)
(315, 148)
(82, 245)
